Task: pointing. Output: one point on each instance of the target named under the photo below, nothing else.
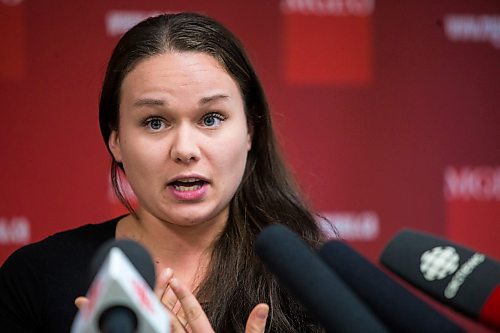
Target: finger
(162, 281)
(81, 301)
(181, 317)
(164, 292)
(170, 301)
(193, 312)
(175, 325)
(256, 322)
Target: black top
(40, 281)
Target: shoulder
(83, 239)
(63, 249)
(90, 232)
(39, 282)
(88, 235)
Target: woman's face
(183, 137)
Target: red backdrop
(388, 111)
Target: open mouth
(188, 184)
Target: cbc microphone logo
(439, 262)
(443, 261)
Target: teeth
(188, 180)
(186, 188)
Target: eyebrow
(209, 99)
(161, 102)
(150, 101)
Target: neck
(185, 249)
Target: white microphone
(120, 299)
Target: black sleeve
(21, 302)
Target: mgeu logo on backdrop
(15, 230)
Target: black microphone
(137, 255)
(314, 284)
(120, 296)
(399, 310)
(461, 278)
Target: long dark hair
(236, 281)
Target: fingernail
(262, 312)
(174, 283)
(167, 273)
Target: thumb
(257, 319)
(81, 301)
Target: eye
(213, 120)
(154, 124)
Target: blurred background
(388, 112)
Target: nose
(185, 148)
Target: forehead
(183, 67)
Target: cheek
(238, 143)
(233, 160)
(138, 157)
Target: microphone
(315, 285)
(461, 278)
(120, 296)
(399, 310)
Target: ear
(114, 146)
(249, 136)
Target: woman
(184, 116)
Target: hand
(190, 317)
(256, 322)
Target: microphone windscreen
(120, 296)
(136, 254)
(400, 310)
(315, 285)
(462, 278)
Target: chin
(186, 220)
